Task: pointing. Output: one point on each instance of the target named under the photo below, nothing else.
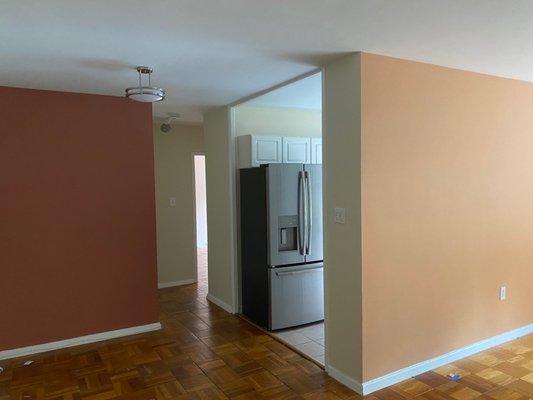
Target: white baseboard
(351, 383)
(163, 285)
(220, 303)
(96, 337)
(424, 366)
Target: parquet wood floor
(202, 352)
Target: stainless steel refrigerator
(281, 244)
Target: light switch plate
(172, 202)
(503, 292)
(340, 215)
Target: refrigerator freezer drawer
(296, 295)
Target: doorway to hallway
(200, 206)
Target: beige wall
(342, 242)
(447, 210)
(174, 178)
(221, 225)
(273, 121)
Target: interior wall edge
(344, 379)
(342, 241)
(221, 264)
(215, 300)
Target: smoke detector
(165, 126)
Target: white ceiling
(305, 93)
(213, 52)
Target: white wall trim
(163, 285)
(424, 366)
(96, 337)
(344, 379)
(220, 303)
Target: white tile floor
(309, 339)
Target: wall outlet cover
(340, 215)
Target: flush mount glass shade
(146, 94)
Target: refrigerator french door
(281, 244)
(294, 204)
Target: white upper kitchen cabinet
(316, 150)
(296, 150)
(256, 150)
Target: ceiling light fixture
(146, 94)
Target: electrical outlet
(503, 293)
(340, 215)
(172, 202)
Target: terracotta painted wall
(77, 216)
(447, 210)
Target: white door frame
(234, 186)
(195, 231)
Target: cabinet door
(316, 151)
(266, 150)
(297, 150)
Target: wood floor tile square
(327, 395)
(411, 388)
(486, 359)
(528, 378)
(512, 370)
(520, 385)
(280, 393)
(505, 394)
(478, 384)
(169, 390)
(388, 394)
(263, 381)
(432, 379)
(434, 395)
(196, 382)
(527, 364)
(222, 375)
(236, 387)
(495, 376)
(469, 365)
(448, 369)
(465, 393)
(300, 382)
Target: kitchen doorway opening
(200, 209)
(278, 160)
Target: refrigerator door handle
(302, 271)
(301, 213)
(309, 215)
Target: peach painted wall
(77, 216)
(447, 210)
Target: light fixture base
(145, 70)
